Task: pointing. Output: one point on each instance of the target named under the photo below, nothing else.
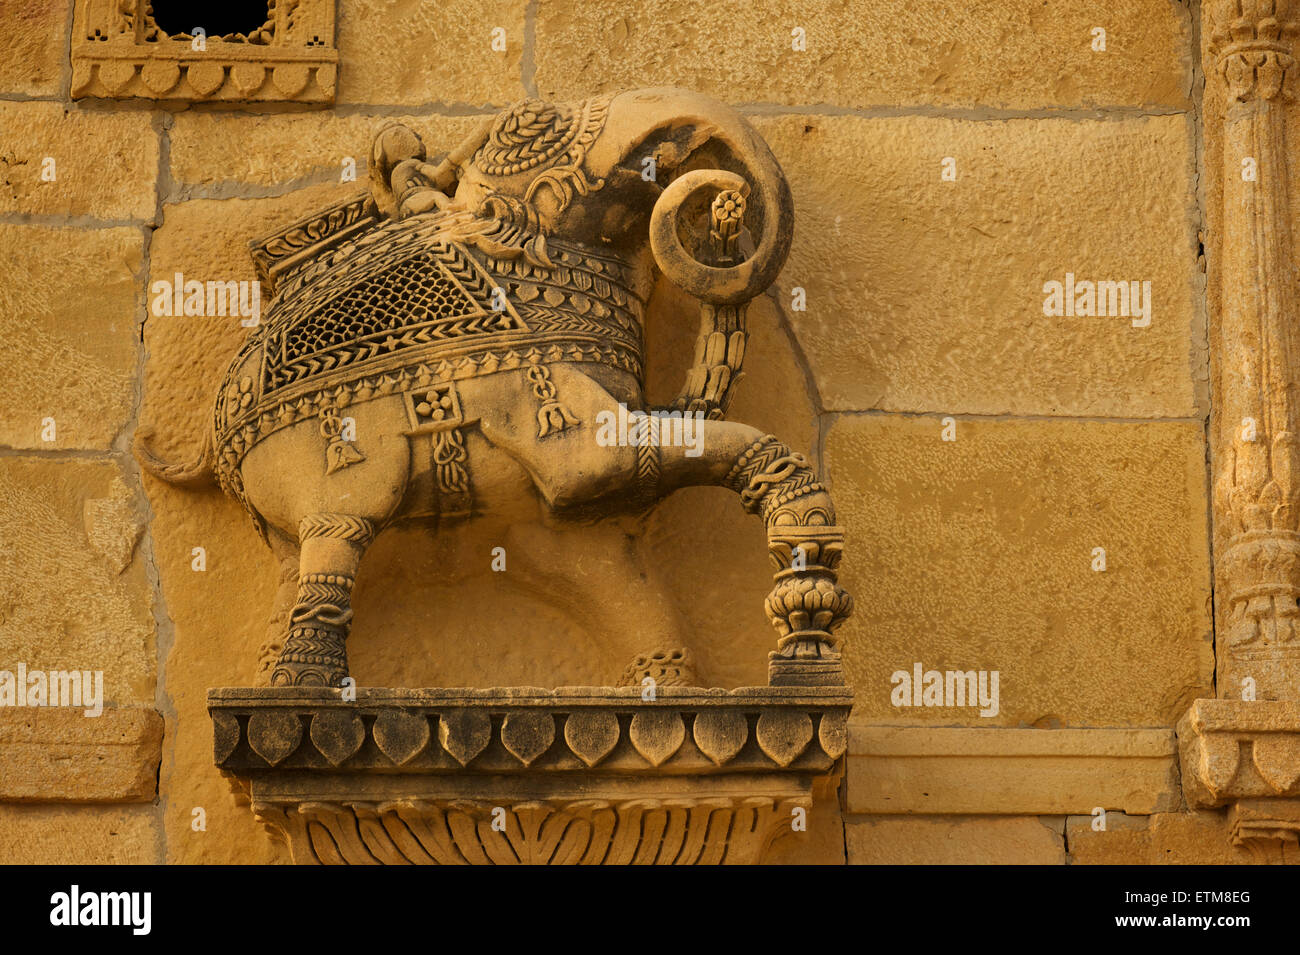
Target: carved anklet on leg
(806, 604)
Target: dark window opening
(216, 17)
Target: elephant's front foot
(312, 657)
(315, 651)
(806, 605)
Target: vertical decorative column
(1250, 74)
(1242, 750)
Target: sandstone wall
(980, 451)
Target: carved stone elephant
(468, 335)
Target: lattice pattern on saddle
(412, 293)
(416, 301)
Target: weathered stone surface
(283, 148)
(62, 755)
(931, 770)
(74, 593)
(924, 296)
(987, 53)
(79, 835)
(939, 307)
(821, 844)
(979, 553)
(205, 645)
(68, 299)
(33, 38)
(1167, 838)
(955, 840)
(206, 239)
(114, 180)
(414, 54)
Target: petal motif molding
(592, 775)
(119, 51)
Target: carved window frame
(119, 52)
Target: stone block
(980, 53)
(74, 589)
(1172, 838)
(415, 54)
(33, 41)
(78, 835)
(104, 164)
(934, 296)
(933, 770)
(954, 840)
(69, 300)
(978, 554)
(62, 755)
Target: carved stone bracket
(1234, 749)
(119, 51)
(593, 775)
(1246, 754)
(1268, 829)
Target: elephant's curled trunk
(713, 149)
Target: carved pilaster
(1250, 71)
(1240, 750)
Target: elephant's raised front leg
(806, 605)
(582, 464)
(315, 651)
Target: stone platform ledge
(1237, 749)
(592, 775)
(931, 770)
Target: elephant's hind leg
(315, 651)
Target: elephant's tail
(195, 473)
